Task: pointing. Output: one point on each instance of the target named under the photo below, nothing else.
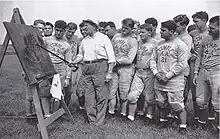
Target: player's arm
(131, 55)
(110, 54)
(181, 61)
(153, 61)
(198, 59)
(111, 58)
(79, 56)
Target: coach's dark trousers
(96, 91)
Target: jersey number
(163, 59)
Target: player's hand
(108, 77)
(158, 76)
(66, 82)
(164, 78)
(195, 79)
(75, 68)
(71, 64)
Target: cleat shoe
(111, 112)
(130, 117)
(149, 116)
(123, 114)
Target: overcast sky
(103, 10)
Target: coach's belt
(95, 61)
(58, 62)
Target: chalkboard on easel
(35, 62)
(27, 43)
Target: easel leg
(4, 48)
(66, 109)
(42, 126)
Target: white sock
(123, 114)
(211, 118)
(182, 125)
(111, 112)
(163, 120)
(149, 116)
(131, 117)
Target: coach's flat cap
(90, 22)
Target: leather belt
(58, 62)
(95, 61)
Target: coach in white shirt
(96, 52)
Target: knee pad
(132, 99)
(178, 107)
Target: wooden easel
(42, 123)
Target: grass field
(12, 96)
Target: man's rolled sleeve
(109, 51)
(81, 52)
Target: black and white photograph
(109, 69)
